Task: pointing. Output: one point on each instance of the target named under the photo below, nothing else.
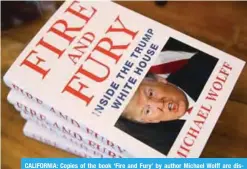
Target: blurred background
(220, 24)
(16, 13)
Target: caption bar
(140, 163)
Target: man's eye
(150, 93)
(147, 110)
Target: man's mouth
(172, 106)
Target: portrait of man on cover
(164, 99)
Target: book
(113, 83)
(47, 137)
(57, 137)
(32, 112)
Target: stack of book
(99, 80)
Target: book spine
(30, 113)
(67, 119)
(47, 137)
(59, 135)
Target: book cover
(101, 76)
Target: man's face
(156, 101)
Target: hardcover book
(33, 112)
(150, 89)
(45, 136)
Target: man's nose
(158, 104)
